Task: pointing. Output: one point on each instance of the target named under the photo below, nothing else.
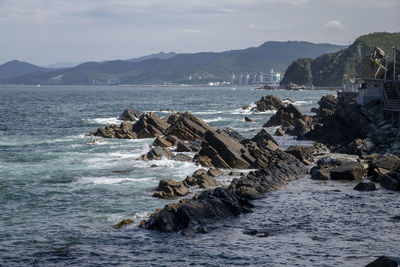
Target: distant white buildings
(256, 78)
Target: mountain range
(195, 68)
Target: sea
(61, 192)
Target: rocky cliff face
(364, 58)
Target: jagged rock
(391, 181)
(187, 127)
(236, 173)
(382, 261)
(150, 125)
(268, 102)
(157, 153)
(172, 139)
(361, 147)
(286, 116)
(183, 147)
(162, 142)
(303, 153)
(320, 149)
(279, 132)
(123, 223)
(170, 189)
(349, 171)
(365, 186)
(195, 145)
(129, 115)
(215, 172)
(202, 179)
(248, 119)
(263, 139)
(194, 214)
(182, 157)
(323, 169)
(378, 173)
(327, 105)
(272, 178)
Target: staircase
(390, 96)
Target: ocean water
(61, 195)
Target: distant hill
(17, 68)
(160, 55)
(183, 68)
(361, 59)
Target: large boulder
(150, 125)
(389, 162)
(391, 181)
(170, 189)
(349, 171)
(129, 115)
(383, 261)
(187, 127)
(121, 131)
(286, 116)
(193, 215)
(327, 105)
(268, 102)
(265, 140)
(365, 186)
(157, 153)
(303, 153)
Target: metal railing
(390, 103)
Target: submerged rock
(391, 181)
(383, 261)
(365, 186)
(122, 223)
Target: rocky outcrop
(303, 153)
(327, 105)
(365, 186)
(285, 116)
(248, 119)
(383, 261)
(391, 181)
(129, 115)
(268, 102)
(348, 171)
(123, 223)
(340, 168)
(170, 189)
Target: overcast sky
(49, 31)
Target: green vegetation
(337, 68)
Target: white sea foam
(104, 121)
(112, 180)
(207, 112)
(214, 119)
(301, 102)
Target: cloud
(185, 30)
(334, 25)
(269, 28)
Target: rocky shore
(353, 144)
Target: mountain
(183, 68)
(62, 65)
(160, 55)
(364, 58)
(17, 68)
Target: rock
(157, 153)
(172, 139)
(391, 181)
(279, 132)
(170, 189)
(361, 147)
(389, 162)
(183, 147)
(150, 125)
(327, 105)
(365, 186)
(320, 149)
(215, 172)
(271, 178)
(304, 153)
(383, 261)
(162, 142)
(236, 173)
(349, 171)
(248, 119)
(378, 173)
(202, 179)
(194, 214)
(182, 157)
(285, 116)
(235, 135)
(195, 145)
(323, 169)
(187, 127)
(123, 223)
(129, 115)
(268, 102)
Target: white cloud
(334, 25)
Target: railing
(391, 103)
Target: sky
(49, 31)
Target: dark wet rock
(349, 171)
(172, 139)
(129, 115)
(162, 142)
(257, 233)
(157, 153)
(182, 157)
(248, 119)
(361, 147)
(215, 172)
(187, 127)
(322, 171)
(286, 116)
(271, 178)
(383, 261)
(234, 134)
(195, 214)
(378, 173)
(123, 223)
(327, 105)
(320, 149)
(195, 145)
(170, 189)
(391, 181)
(122, 131)
(264, 139)
(303, 153)
(279, 132)
(365, 186)
(202, 179)
(183, 147)
(268, 102)
(150, 125)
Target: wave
(104, 121)
(214, 119)
(112, 180)
(207, 112)
(301, 102)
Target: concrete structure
(368, 90)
